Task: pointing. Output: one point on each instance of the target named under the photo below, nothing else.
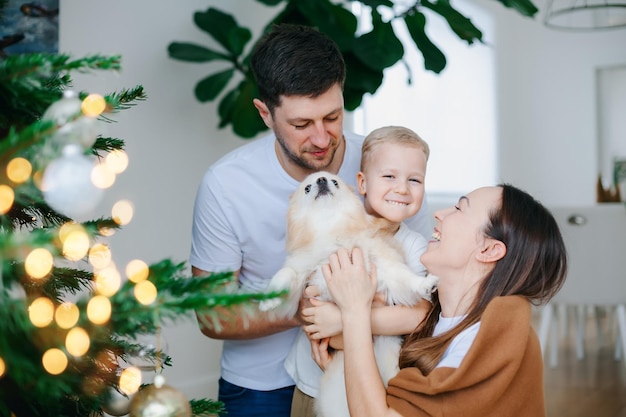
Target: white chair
(595, 237)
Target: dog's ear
(342, 183)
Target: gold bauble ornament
(117, 405)
(159, 400)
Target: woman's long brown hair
(535, 266)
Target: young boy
(391, 181)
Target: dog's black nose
(322, 187)
(322, 184)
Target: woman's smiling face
(458, 236)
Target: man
(240, 211)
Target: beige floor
(594, 386)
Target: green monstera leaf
(184, 51)
(459, 24)
(236, 108)
(434, 59)
(210, 87)
(380, 48)
(224, 29)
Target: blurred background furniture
(595, 237)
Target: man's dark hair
(295, 60)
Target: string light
(93, 105)
(7, 197)
(145, 292)
(54, 361)
(102, 177)
(76, 244)
(38, 263)
(108, 280)
(130, 380)
(137, 271)
(41, 312)
(19, 170)
(100, 255)
(67, 229)
(66, 315)
(106, 231)
(77, 341)
(99, 309)
(117, 161)
(122, 212)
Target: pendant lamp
(585, 15)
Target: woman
(475, 354)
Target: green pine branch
(200, 408)
(30, 83)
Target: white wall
(546, 101)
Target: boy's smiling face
(393, 181)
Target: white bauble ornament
(73, 126)
(82, 131)
(64, 110)
(118, 404)
(159, 400)
(67, 185)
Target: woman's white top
(454, 354)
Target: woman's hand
(319, 353)
(350, 285)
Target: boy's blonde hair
(394, 135)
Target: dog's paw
(427, 286)
(281, 281)
(271, 304)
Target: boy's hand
(324, 318)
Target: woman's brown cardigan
(501, 375)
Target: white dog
(324, 215)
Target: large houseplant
(366, 54)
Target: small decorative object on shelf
(607, 195)
(619, 175)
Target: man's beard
(314, 165)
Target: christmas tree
(69, 317)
